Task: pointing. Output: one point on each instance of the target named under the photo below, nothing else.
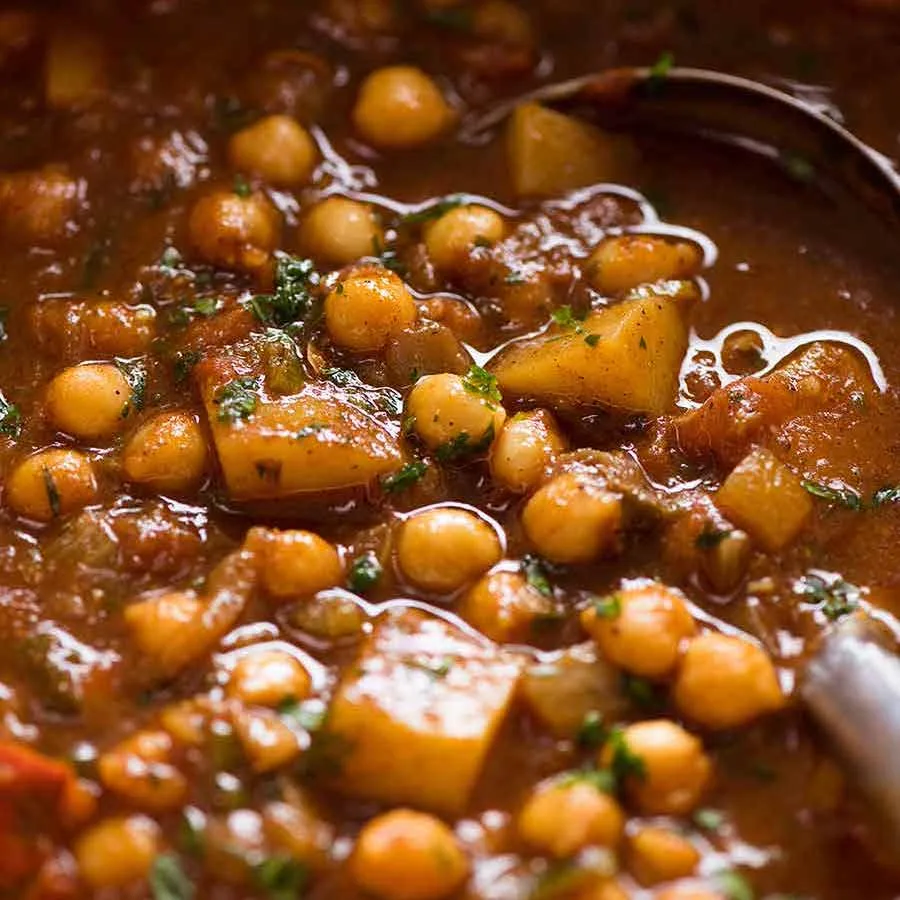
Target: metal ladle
(851, 685)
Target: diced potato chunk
(562, 689)
(627, 357)
(550, 153)
(314, 440)
(417, 714)
(766, 499)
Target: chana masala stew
(393, 509)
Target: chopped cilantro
(433, 211)
(659, 71)
(237, 399)
(609, 607)
(602, 779)
(592, 732)
(281, 877)
(733, 886)
(311, 429)
(135, 374)
(406, 476)
(182, 364)
(835, 596)
(625, 763)
(642, 693)
(799, 167)
(365, 572)
(364, 396)
(242, 187)
(191, 831)
(535, 571)
(565, 317)
(642, 343)
(168, 881)
(454, 18)
(462, 445)
(309, 717)
(841, 496)
(593, 339)
(482, 383)
(709, 819)
(292, 300)
(887, 494)
(10, 418)
(711, 537)
(52, 492)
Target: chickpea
(444, 548)
(234, 232)
(524, 448)
(167, 453)
(89, 401)
(570, 520)
(676, 769)
(445, 412)
(277, 149)
(504, 22)
(504, 607)
(295, 563)
(407, 855)
(562, 817)
(116, 852)
(51, 483)
(367, 309)
(339, 231)
(660, 854)
(451, 238)
(267, 741)
(37, 207)
(642, 630)
(296, 828)
(268, 677)
(726, 682)
(139, 770)
(689, 892)
(399, 107)
(621, 263)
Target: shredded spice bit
(52, 492)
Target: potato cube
(414, 719)
(550, 153)
(765, 498)
(627, 357)
(271, 447)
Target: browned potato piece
(38, 206)
(550, 153)
(621, 263)
(766, 499)
(418, 713)
(627, 357)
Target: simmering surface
(389, 514)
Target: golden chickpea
(448, 415)
(167, 454)
(570, 520)
(277, 149)
(268, 677)
(504, 22)
(562, 817)
(407, 855)
(451, 238)
(726, 682)
(368, 308)
(116, 852)
(139, 770)
(89, 401)
(295, 563)
(234, 232)
(51, 483)
(267, 741)
(621, 263)
(689, 892)
(641, 629)
(659, 854)
(400, 107)
(504, 607)
(339, 231)
(676, 771)
(444, 548)
(526, 445)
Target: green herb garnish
(135, 373)
(52, 492)
(887, 494)
(592, 732)
(404, 478)
(168, 881)
(609, 607)
(365, 572)
(281, 877)
(625, 764)
(483, 384)
(237, 399)
(659, 71)
(535, 571)
(183, 363)
(733, 886)
(709, 819)
(462, 445)
(841, 496)
(10, 418)
(242, 187)
(292, 300)
(837, 598)
(433, 211)
(711, 537)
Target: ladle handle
(852, 689)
